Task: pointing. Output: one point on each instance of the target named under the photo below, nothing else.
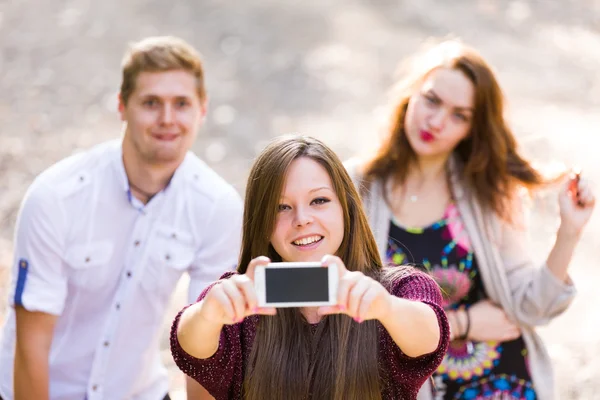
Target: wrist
(388, 310)
(568, 233)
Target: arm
(216, 373)
(416, 321)
(34, 336)
(576, 202)
(414, 368)
(413, 326)
(196, 335)
(410, 312)
(540, 294)
(206, 337)
(195, 391)
(39, 289)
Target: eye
(283, 207)
(320, 200)
(429, 99)
(461, 117)
(182, 103)
(150, 103)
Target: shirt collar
(123, 181)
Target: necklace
(148, 195)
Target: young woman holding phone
(382, 340)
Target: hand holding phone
(231, 300)
(359, 296)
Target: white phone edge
(259, 284)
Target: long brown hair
(288, 360)
(491, 164)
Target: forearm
(413, 326)
(31, 374)
(561, 254)
(455, 329)
(198, 337)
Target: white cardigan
(529, 294)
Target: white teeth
(308, 240)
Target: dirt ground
(317, 67)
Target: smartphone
(296, 284)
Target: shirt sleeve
(221, 244)
(414, 371)
(39, 279)
(538, 296)
(221, 374)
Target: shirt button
(129, 274)
(95, 387)
(87, 259)
(118, 306)
(106, 344)
(167, 257)
(174, 235)
(136, 243)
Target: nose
(302, 217)
(437, 119)
(167, 114)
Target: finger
(366, 303)
(355, 296)
(344, 287)
(246, 287)
(328, 260)
(224, 302)
(236, 298)
(266, 311)
(329, 310)
(586, 196)
(262, 260)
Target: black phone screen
(287, 285)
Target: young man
(103, 237)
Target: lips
(307, 240)
(165, 136)
(426, 136)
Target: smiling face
(310, 221)
(163, 115)
(440, 114)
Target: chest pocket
(89, 264)
(172, 252)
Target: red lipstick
(426, 137)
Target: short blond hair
(159, 54)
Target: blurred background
(321, 68)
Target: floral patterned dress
(470, 370)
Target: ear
(204, 107)
(121, 107)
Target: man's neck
(145, 180)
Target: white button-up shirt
(89, 252)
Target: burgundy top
(223, 374)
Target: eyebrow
(316, 190)
(471, 109)
(320, 188)
(156, 96)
